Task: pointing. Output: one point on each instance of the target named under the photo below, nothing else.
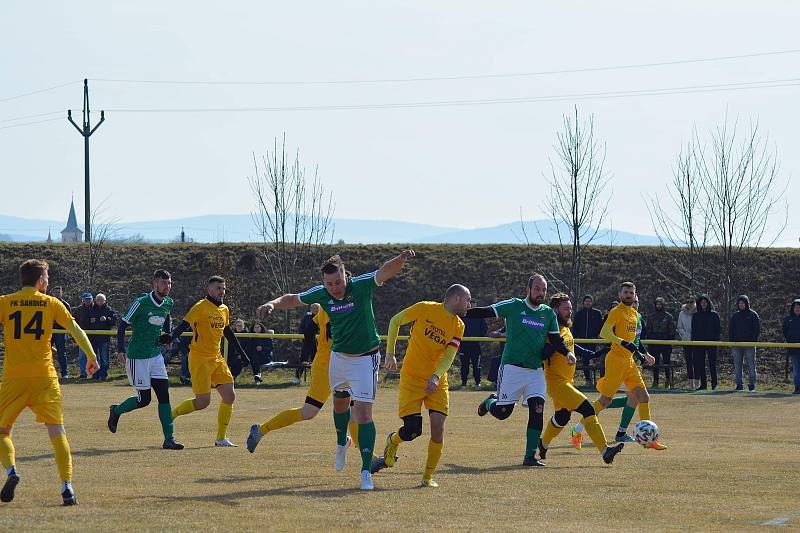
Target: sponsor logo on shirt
(343, 308)
(156, 320)
(436, 334)
(533, 323)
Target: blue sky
(458, 166)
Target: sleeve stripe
(131, 311)
(309, 291)
(368, 275)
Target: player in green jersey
(529, 325)
(149, 318)
(355, 356)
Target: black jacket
(745, 326)
(309, 329)
(661, 326)
(83, 315)
(101, 318)
(791, 328)
(706, 325)
(473, 327)
(587, 323)
(56, 325)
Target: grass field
(733, 464)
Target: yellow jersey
(558, 368)
(433, 330)
(623, 322)
(27, 317)
(207, 320)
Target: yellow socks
(644, 411)
(7, 458)
(352, 427)
(396, 438)
(550, 432)
(434, 454)
(184, 408)
(597, 406)
(63, 456)
(281, 420)
(223, 419)
(595, 432)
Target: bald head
(457, 299)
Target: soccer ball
(645, 432)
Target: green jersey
(352, 318)
(640, 324)
(527, 329)
(147, 319)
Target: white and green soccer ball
(645, 432)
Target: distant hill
(240, 228)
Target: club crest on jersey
(533, 323)
(343, 308)
(156, 320)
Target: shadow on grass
(477, 471)
(234, 499)
(86, 452)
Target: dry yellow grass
(733, 464)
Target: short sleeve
(460, 329)
(314, 295)
(364, 284)
(503, 309)
(61, 314)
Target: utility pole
(86, 131)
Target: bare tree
(104, 230)
(681, 222)
(740, 176)
(575, 200)
(294, 217)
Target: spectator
(791, 331)
(102, 317)
(470, 351)
(587, 324)
(309, 329)
(705, 327)
(684, 333)
(661, 326)
(234, 362)
(745, 326)
(60, 339)
(259, 350)
(83, 316)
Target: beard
(564, 322)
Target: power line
(690, 89)
(29, 123)
(32, 116)
(457, 77)
(23, 95)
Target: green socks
(165, 416)
(532, 441)
(127, 406)
(618, 402)
(366, 442)
(340, 420)
(627, 416)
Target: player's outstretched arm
(391, 340)
(83, 343)
(287, 301)
(481, 312)
(392, 267)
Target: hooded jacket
(660, 324)
(684, 331)
(791, 328)
(706, 325)
(745, 325)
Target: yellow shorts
(619, 370)
(564, 395)
(320, 388)
(412, 396)
(41, 395)
(208, 372)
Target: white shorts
(515, 383)
(141, 371)
(357, 375)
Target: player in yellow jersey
(210, 320)
(559, 373)
(622, 329)
(435, 337)
(29, 378)
(318, 391)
